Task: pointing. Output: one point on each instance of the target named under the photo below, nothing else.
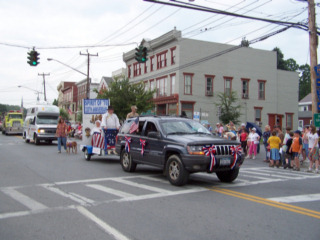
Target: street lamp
(36, 91)
(52, 59)
(87, 75)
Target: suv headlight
(41, 131)
(195, 150)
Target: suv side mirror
(154, 135)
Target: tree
(55, 102)
(280, 59)
(304, 81)
(230, 107)
(122, 95)
(79, 114)
(291, 65)
(64, 114)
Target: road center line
(265, 201)
(107, 228)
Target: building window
(228, 85)
(136, 69)
(172, 84)
(151, 63)
(129, 71)
(209, 85)
(187, 107)
(145, 68)
(257, 114)
(152, 87)
(146, 86)
(162, 87)
(172, 109)
(245, 88)
(173, 55)
(262, 89)
(188, 83)
(289, 120)
(162, 60)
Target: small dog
(73, 146)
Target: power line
(217, 11)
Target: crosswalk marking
(260, 172)
(297, 198)
(139, 185)
(23, 199)
(77, 198)
(110, 190)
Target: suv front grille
(49, 130)
(16, 124)
(223, 149)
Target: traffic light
(141, 54)
(33, 57)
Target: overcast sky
(46, 24)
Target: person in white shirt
(110, 125)
(313, 149)
(254, 139)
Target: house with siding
(188, 74)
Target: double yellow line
(252, 198)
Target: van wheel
(36, 140)
(176, 173)
(126, 162)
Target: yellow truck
(12, 122)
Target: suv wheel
(228, 176)
(126, 162)
(175, 171)
(87, 156)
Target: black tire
(126, 162)
(36, 140)
(175, 171)
(228, 176)
(87, 156)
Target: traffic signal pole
(88, 79)
(313, 44)
(44, 84)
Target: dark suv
(179, 146)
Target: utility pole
(44, 84)
(88, 79)
(313, 44)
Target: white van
(41, 123)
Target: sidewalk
(262, 156)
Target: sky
(61, 29)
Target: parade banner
(92, 110)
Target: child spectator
(243, 140)
(296, 149)
(274, 142)
(313, 149)
(288, 155)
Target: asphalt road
(47, 195)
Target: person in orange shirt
(296, 149)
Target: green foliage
(304, 81)
(280, 59)
(79, 114)
(5, 108)
(64, 114)
(123, 95)
(230, 107)
(55, 102)
(291, 65)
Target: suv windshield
(47, 120)
(179, 126)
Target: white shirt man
(110, 120)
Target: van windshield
(47, 120)
(15, 116)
